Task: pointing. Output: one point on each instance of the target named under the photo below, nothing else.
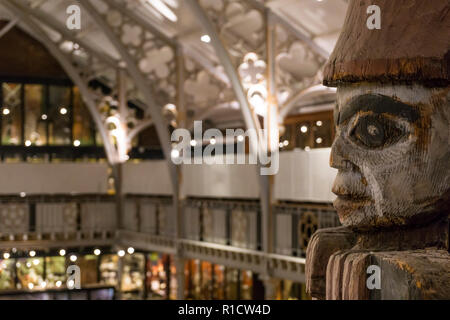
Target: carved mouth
(347, 204)
(352, 197)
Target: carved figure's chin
(353, 211)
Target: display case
(55, 269)
(109, 266)
(160, 277)
(133, 277)
(7, 274)
(30, 273)
(89, 265)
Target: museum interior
(100, 200)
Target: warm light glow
(319, 140)
(120, 134)
(70, 284)
(27, 143)
(206, 38)
(36, 262)
(193, 143)
(307, 149)
(304, 129)
(6, 111)
(240, 138)
(77, 143)
(62, 252)
(6, 256)
(44, 117)
(130, 250)
(285, 143)
(170, 107)
(23, 194)
(257, 96)
(58, 284)
(30, 286)
(163, 9)
(97, 252)
(73, 258)
(121, 253)
(63, 111)
(213, 141)
(319, 123)
(175, 154)
(32, 253)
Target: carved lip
(344, 194)
(346, 204)
(352, 197)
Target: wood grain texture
(412, 45)
(322, 245)
(414, 262)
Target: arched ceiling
(154, 30)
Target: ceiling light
(58, 283)
(304, 129)
(206, 38)
(319, 123)
(77, 143)
(193, 143)
(32, 253)
(6, 111)
(130, 250)
(319, 140)
(213, 141)
(6, 256)
(240, 138)
(163, 9)
(30, 286)
(170, 107)
(23, 194)
(27, 143)
(286, 143)
(63, 111)
(121, 253)
(44, 117)
(62, 252)
(73, 258)
(97, 252)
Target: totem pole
(392, 152)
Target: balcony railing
(87, 218)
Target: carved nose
(338, 160)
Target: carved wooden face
(392, 152)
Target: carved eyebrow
(378, 103)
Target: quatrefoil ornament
(132, 35)
(157, 61)
(252, 70)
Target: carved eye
(375, 132)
